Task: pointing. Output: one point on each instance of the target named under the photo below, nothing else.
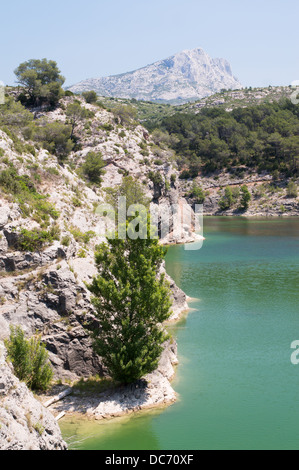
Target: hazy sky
(94, 38)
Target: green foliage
(14, 114)
(245, 198)
(227, 200)
(77, 114)
(42, 82)
(131, 189)
(156, 178)
(263, 138)
(21, 189)
(93, 167)
(131, 301)
(125, 114)
(82, 237)
(197, 194)
(29, 359)
(56, 138)
(185, 175)
(90, 96)
(292, 190)
(36, 240)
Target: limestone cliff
(43, 289)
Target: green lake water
(237, 386)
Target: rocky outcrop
(187, 76)
(154, 390)
(268, 198)
(53, 302)
(25, 424)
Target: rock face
(154, 390)
(44, 290)
(187, 76)
(25, 423)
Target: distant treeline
(260, 138)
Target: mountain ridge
(187, 76)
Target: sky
(96, 38)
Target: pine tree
(246, 198)
(131, 300)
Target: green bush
(56, 138)
(36, 240)
(29, 358)
(292, 190)
(93, 167)
(197, 194)
(156, 178)
(23, 191)
(227, 200)
(90, 96)
(245, 198)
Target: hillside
(57, 167)
(187, 76)
(150, 113)
(50, 189)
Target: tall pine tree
(132, 300)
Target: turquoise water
(237, 386)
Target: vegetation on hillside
(258, 138)
(41, 81)
(29, 358)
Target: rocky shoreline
(154, 390)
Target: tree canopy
(259, 138)
(42, 82)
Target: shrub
(245, 198)
(36, 240)
(93, 167)
(156, 178)
(90, 96)
(185, 175)
(292, 190)
(227, 200)
(77, 114)
(56, 138)
(29, 358)
(125, 114)
(173, 178)
(197, 194)
(23, 191)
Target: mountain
(187, 76)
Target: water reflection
(276, 227)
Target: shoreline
(154, 391)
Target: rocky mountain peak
(187, 76)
